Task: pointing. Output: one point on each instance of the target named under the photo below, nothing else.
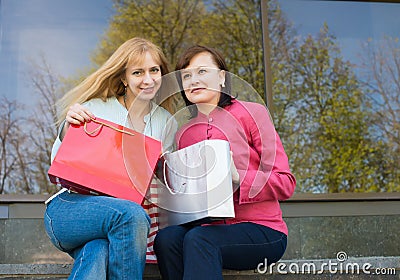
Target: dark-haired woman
(260, 172)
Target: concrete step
(376, 268)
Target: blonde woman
(107, 237)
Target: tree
(21, 180)
(42, 131)
(284, 48)
(326, 124)
(26, 137)
(234, 28)
(171, 24)
(10, 127)
(380, 77)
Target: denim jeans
(107, 237)
(202, 252)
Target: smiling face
(201, 80)
(143, 79)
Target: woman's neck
(136, 106)
(205, 108)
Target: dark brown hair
(184, 61)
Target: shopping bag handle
(104, 124)
(165, 177)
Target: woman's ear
(222, 78)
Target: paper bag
(104, 158)
(198, 185)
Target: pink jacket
(258, 154)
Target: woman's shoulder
(249, 105)
(245, 108)
(98, 102)
(106, 109)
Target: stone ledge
(297, 197)
(300, 205)
(34, 269)
(284, 268)
(59, 270)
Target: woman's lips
(148, 90)
(195, 90)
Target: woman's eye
(186, 76)
(155, 70)
(137, 73)
(202, 71)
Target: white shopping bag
(198, 184)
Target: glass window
(335, 78)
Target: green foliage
(324, 120)
(236, 30)
(171, 24)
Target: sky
(67, 31)
(352, 22)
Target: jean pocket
(48, 225)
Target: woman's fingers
(78, 114)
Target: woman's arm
(271, 179)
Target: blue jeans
(202, 252)
(107, 237)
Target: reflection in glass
(336, 92)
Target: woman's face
(202, 80)
(143, 80)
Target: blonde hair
(106, 81)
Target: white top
(159, 123)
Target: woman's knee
(133, 213)
(169, 238)
(196, 238)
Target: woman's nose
(148, 79)
(195, 79)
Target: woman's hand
(234, 172)
(78, 114)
